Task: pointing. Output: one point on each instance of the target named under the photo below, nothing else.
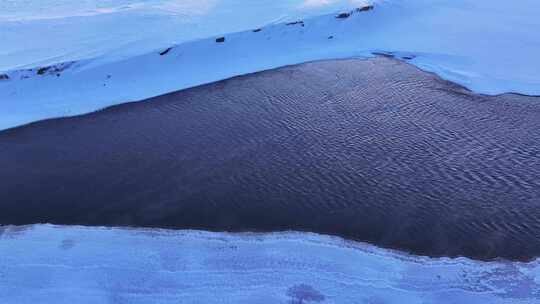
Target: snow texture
(55, 31)
(132, 50)
(60, 264)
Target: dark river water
(372, 150)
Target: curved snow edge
(460, 53)
(108, 265)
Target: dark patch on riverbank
(300, 22)
(165, 51)
(372, 150)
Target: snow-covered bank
(490, 47)
(55, 264)
(45, 32)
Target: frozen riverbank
(492, 49)
(58, 31)
(60, 264)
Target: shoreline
(152, 168)
(374, 55)
(168, 266)
(93, 84)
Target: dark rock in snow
(42, 71)
(387, 55)
(343, 15)
(296, 22)
(165, 52)
(54, 69)
(4, 77)
(358, 10)
(257, 30)
(365, 8)
(330, 37)
(220, 39)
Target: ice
(489, 47)
(70, 264)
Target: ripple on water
(374, 150)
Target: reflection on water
(372, 150)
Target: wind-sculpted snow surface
(58, 264)
(488, 46)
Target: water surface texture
(373, 150)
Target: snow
(490, 47)
(107, 52)
(61, 264)
(57, 31)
